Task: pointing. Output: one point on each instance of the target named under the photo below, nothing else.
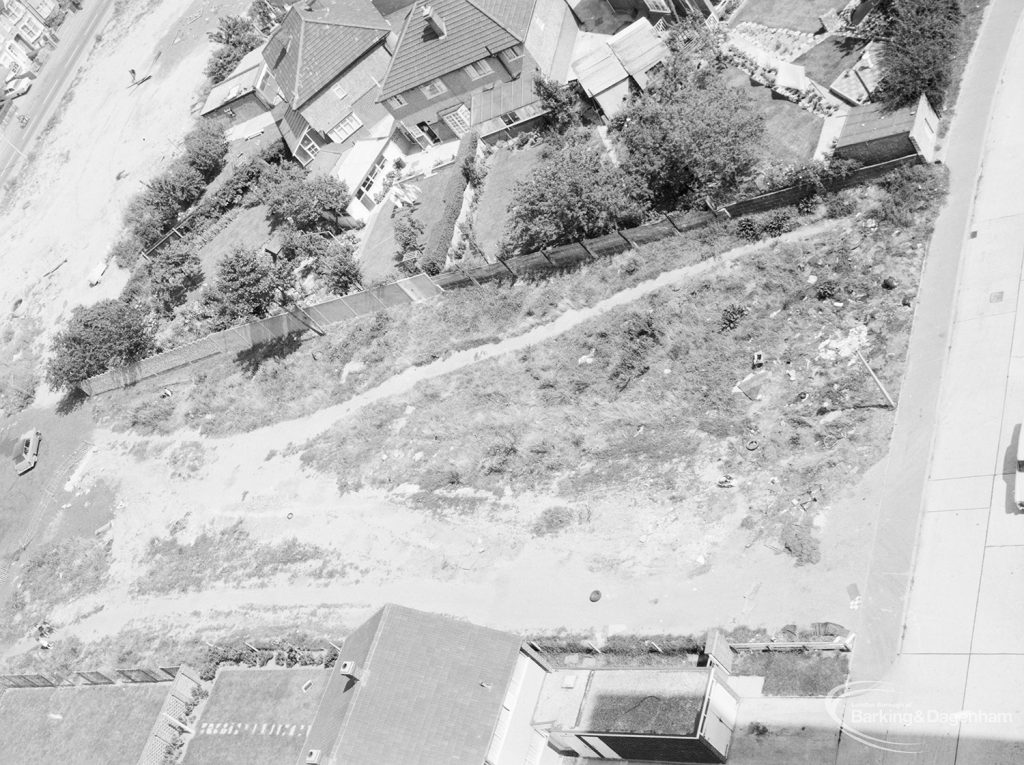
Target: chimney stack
(434, 20)
(349, 670)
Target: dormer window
(514, 53)
(479, 69)
(434, 88)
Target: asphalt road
(940, 654)
(77, 36)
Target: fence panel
(691, 219)
(534, 263)
(331, 311)
(569, 255)
(391, 295)
(420, 287)
(607, 245)
(651, 232)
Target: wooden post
(878, 382)
(672, 223)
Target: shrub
(731, 316)
(839, 205)
(552, 520)
(152, 416)
(827, 290)
(126, 251)
(174, 271)
(206, 148)
(748, 229)
(98, 337)
(474, 170)
(340, 272)
(435, 251)
(237, 36)
(799, 542)
(562, 103)
(408, 230)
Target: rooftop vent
(434, 20)
(349, 669)
(313, 757)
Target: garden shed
(873, 133)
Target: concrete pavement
(947, 685)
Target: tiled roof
(475, 29)
(430, 690)
(313, 47)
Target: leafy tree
(561, 101)
(177, 187)
(921, 38)
(339, 269)
(237, 36)
(574, 193)
(174, 271)
(247, 286)
(108, 334)
(206, 148)
(408, 232)
(263, 15)
(313, 204)
(690, 133)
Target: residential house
(93, 717)
(245, 98)
(450, 50)
(873, 133)
(44, 10)
(610, 68)
(22, 33)
(329, 58)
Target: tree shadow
(251, 359)
(71, 401)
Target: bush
(408, 230)
(110, 333)
(237, 36)
(827, 290)
(799, 542)
(839, 205)
(174, 271)
(126, 251)
(748, 229)
(562, 102)
(731, 316)
(552, 520)
(206, 148)
(435, 251)
(777, 223)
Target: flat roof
(873, 121)
(625, 700)
(505, 96)
(257, 716)
(81, 725)
(241, 81)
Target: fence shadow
(70, 401)
(251, 359)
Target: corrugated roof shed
(430, 691)
(638, 47)
(873, 121)
(475, 29)
(599, 70)
(313, 47)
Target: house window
(509, 118)
(308, 148)
(345, 128)
(367, 184)
(397, 101)
(434, 88)
(479, 69)
(31, 28)
(657, 6)
(339, 91)
(458, 120)
(514, 53)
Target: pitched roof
(475, 29)
(313, 47)
(429, 691)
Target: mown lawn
(507, 167)
(801, 15)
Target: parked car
(26, 451)
(17, 88)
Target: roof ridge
(385, 612)
(328, 22)
(499, 23)
(298, 59)
(398, 46)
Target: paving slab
(971, 408)
(958, 494)
(992, 725)
(940, 617)
(999, 625)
